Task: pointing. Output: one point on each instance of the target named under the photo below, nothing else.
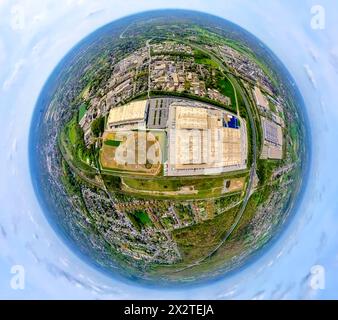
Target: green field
(112, 143)
(73, 133)
(265, 169)
(74, 151)
(174, 184)
(207, 61)
(139, 219)
(225, 87)
(195, 242)
(179, 188)
(82, 111)
(272, 107)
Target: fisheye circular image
(168, 147)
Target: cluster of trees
(173, 54)
(227, 201)
(78, 146)
(97, 126)
(70, 182)
(265, 169)
(112, 182)
(160, 93)
(199, 55)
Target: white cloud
(259, 295)
(3, 54)
(314, 54)
(16, 70)
(39, 47)
(310, 75)
(75, 2)
(39, 17)
(334, 58)
(18, 17)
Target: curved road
(254, 149)
(252, 170)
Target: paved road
(254, 148)
(149, 68)
(123, 32)
(251, 177)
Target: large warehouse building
(273, 140)
(129, 115)
(204, 140)
(261, 100)
(198, 138)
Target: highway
(252, 170)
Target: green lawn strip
(225, 87)
(72, 143)
(82, 111)
(139, 218)
(272, 107)
(174, 185)
(112, 143)
(200, 188)
(72, 132)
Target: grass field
(179, 188)
(265, 169)
(112, 143)
(139, 219)
(225, 87)
(272, 107)
(82, 111)
(73, 133)
(207, 61)
(72, 139)
(80, 160)
(174, 185)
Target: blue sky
(33, 39)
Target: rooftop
(131, 112)
(261, 100)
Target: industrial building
(261, 100)
(200, 138)
(204, 140)
(273, 140)
(128, 116)
(158, 113)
